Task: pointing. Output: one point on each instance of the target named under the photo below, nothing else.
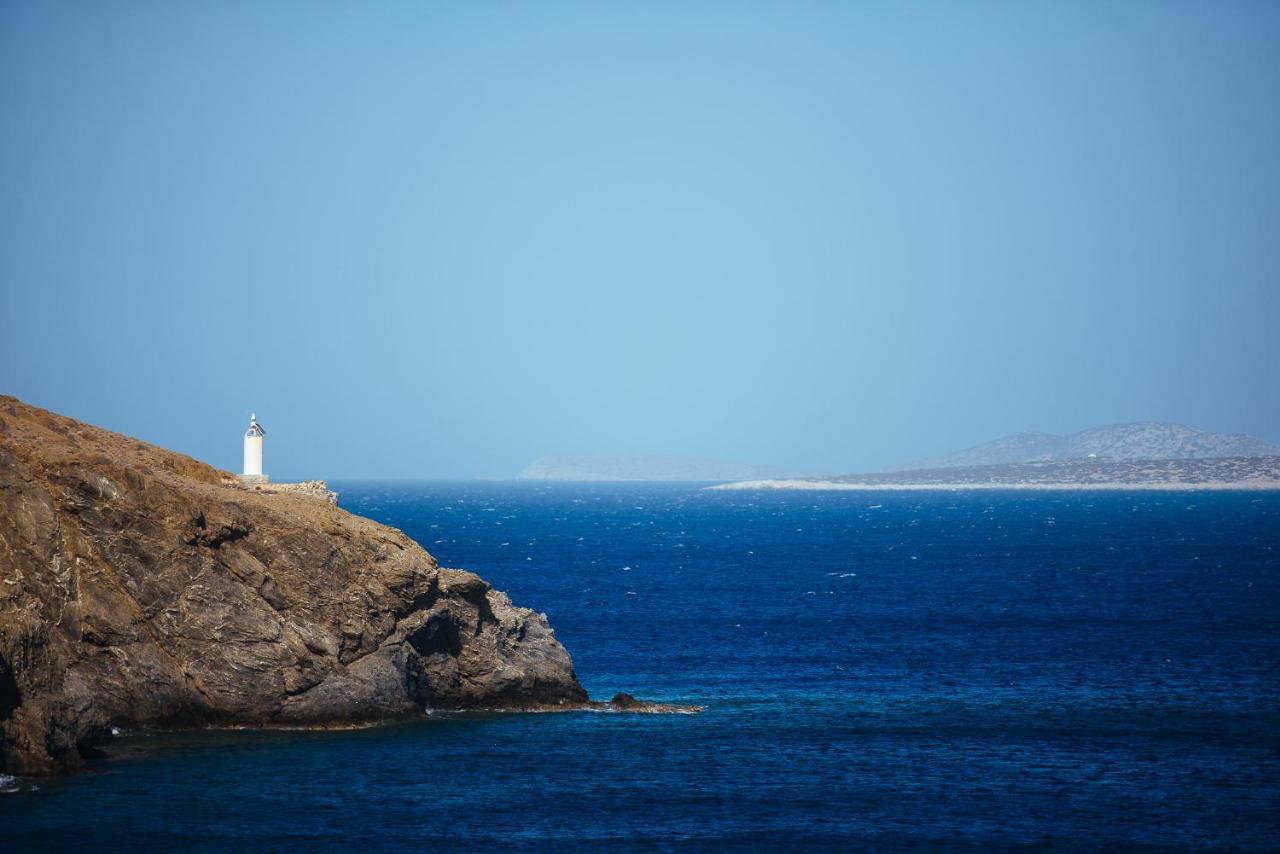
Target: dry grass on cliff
(65, 440)
(45, 439)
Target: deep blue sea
(884, 670)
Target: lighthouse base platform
(307, 489)
(252, 478)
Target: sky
(438, 240)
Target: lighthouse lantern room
(253, 452)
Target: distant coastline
(1172, 486)
(1226, 473)
(1142, 440)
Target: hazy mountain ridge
(637, 467)
(1207, 473)
(1144, 440)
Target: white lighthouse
(253, 452)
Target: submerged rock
(628, 703)
(140, 586)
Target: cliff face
(138, 586)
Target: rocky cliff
(141, 586)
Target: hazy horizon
(442, 241)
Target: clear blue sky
(438, 240)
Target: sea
(879, 671)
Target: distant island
(1143, 440)
(1246, 473)
(638, 467)
(1145, 455)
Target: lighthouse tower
(253, 452)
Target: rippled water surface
(886, 669)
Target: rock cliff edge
(138, 587)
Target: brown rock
(140, 586)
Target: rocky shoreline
(139, 588)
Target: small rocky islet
(141, 587)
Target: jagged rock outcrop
(137, 586)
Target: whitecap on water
(8, 783)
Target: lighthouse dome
(255, 429)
